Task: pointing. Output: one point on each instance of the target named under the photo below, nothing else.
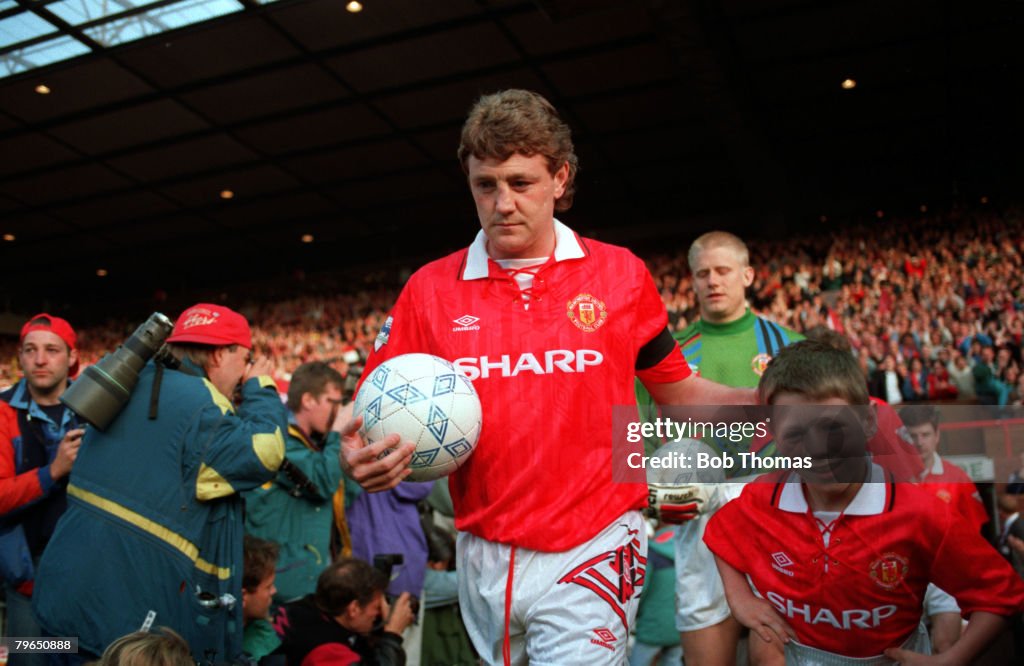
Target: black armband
(652, 353)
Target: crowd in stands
(933, 306)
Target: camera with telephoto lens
(384, 563)
(102, 390)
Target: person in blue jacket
(152, 535)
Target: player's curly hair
(520, 121)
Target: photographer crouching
(153, 531)
(347, 620)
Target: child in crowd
(160, 647)
(260, 557)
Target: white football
(427, 401)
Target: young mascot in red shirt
(834, 561)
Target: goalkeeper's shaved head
(716, 239)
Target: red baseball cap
(59, 327)
(208, 324)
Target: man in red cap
(153, 530)
(39, 440)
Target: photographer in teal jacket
(297, 508)
(153, 531)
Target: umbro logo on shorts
(605, 638)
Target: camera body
(385, 563)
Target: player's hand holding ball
(367, 463)
(425, 403)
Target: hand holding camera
(399, 616)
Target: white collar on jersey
(869, 501)
(566, 247)
(936, 466)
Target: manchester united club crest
(944, 495)
(890, 570)
(587, 313)
(759, 363)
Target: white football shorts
(572, 607)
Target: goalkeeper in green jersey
(731, 345)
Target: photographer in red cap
(39, 440)
(153, 532)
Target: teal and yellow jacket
(154, 524)
(300, 519)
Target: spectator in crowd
(259, 557)
(939, 385)
(1015, 484)
(915, 387)
(335, 626)
(942, 478)
(162, 647)
(986, 383)
(39, 441)
(297, 508)
(861, 522)
(154, 519)
(388, 523)
(887, 382)
(961, 376)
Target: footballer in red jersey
(552, 329)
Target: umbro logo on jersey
(466, 323)
(780, 562)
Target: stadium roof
(343, 126)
